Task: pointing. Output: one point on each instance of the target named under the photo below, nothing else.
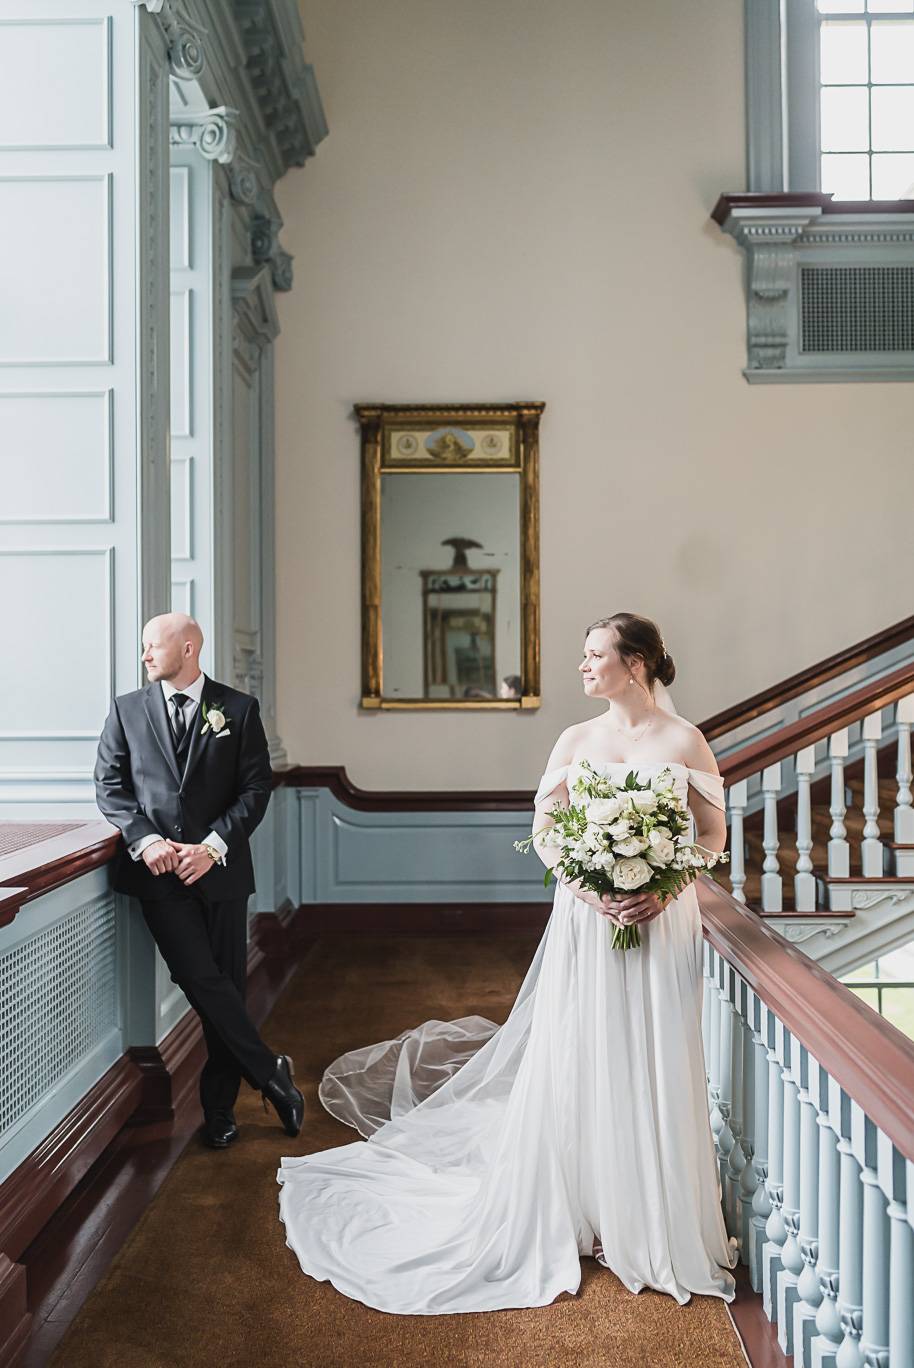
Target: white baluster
(875, 1339)
(706, 1010)
(901, 1293)
(713, 1060)
(827, 1323)
(748, 1179)
(871, 847)
(739, 796)
(804, 884)
(804, 1319)
(775, 1229)
(850, 1259)
(904, 812)
(725, 1097)
(761, 1206)
(736, 1159)
(839, 864)
(772, 898)
(791, 1257)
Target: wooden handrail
(871, 1060)
(810, 678)
(38, 868)
(817, 725)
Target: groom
(184, 771)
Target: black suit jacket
(220, 783)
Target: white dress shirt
(193, 693)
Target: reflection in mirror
(450, 583)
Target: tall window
(887, 984)
(866, 94)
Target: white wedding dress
(498, 1155)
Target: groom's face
(163, 653)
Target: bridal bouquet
(621, 838)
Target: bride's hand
(636, 908)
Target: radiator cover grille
(857, 308)
(58, 1000)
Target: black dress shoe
(219, 1129)
(285, 1097)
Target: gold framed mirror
(450, 555)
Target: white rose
(216, 719)
(631, 873)
(662, 847)
(644, 802)
(632, 845)
(620, 829)
(603, 810)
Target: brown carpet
(206, 1280)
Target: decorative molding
(184, 37)
(799, 929)
(782, 232)
(265, 247)
(283, 82)
(244, 181)
(212, 132)
(254, 317)
(335, 778)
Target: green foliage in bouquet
(622, 839)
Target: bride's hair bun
(638, 636)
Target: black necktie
(179, 724)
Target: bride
(497, 1157)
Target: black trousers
(204, 945)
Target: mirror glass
(450, 584)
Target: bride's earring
(631, 679)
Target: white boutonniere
(214, 720)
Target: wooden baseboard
(317, 920)
(169, 1070)
(15, 1320)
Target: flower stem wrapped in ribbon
(627, 838)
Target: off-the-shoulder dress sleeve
(710, 786)
(550, 782)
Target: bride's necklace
(631, 736)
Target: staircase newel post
(772, 892)
(839, 866)
(871, 848)
(904, 811)
(761, 1206)
(739, 796)
(804, 883)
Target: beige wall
(513, 203)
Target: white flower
(594, 838)
(632, 845)
(621, 829)
(216, 719)
(662, 846)
(645, 801)
(631, 873)
(603, 810)
(605, 860)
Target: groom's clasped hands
(189, 862)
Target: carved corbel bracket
(211, 132)
(265, 247)
(244, 180)
(186, 57)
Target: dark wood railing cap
(44, 865)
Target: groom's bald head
(172, 643)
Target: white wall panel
(181, 418)
(55, 233)
(182, 596)
(182, 475)
(59, 602)
(56, 86)
(179, 211)
(55, 457)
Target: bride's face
(605, 675)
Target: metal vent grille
(857, 308)
(57, 1001)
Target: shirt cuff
(217, 844)
(135, 851)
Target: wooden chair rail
(335, 778)
(817, 725)
(44, 865)
(871, 1060)
(810, 678)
